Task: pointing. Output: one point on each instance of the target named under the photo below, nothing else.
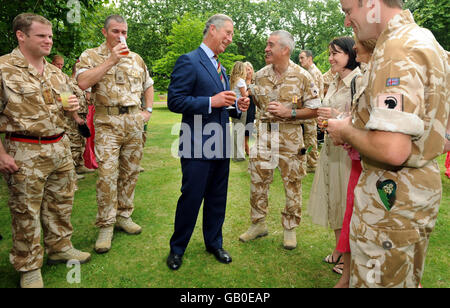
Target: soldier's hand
(73, 104)
(118, 52)
(243, 103)
(223, 99)
(327, 113)
(335, 128)
(7, 164)
(279, 110)
(146, 115)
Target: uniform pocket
(393, 255)
(23, 99)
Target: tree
(185, 36)
(313, 24)
(72, 22)
(433, 15)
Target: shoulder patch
(390, 101)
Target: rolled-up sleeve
(398, 97)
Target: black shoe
(221, 255)
(174, 261)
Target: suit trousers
(203, 181)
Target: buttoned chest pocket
(24, 99)
(290, 95)
(135, 78)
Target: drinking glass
(65, 93)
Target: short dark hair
(346, 43)
(22, 22)
(114, 17)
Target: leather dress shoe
(174, 261)
(221, 255)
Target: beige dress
(328, 195)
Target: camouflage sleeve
(398, 97)
(311, 98)
(84, 64)
(148, 81)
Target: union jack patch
(392, 82)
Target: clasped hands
(227, 99)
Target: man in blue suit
(199, 89)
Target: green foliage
(433, 15)
(321, 62)
(313, 24)
(185, 36)
(72, 33)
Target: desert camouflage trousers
(41, 195)
(118, 150)
(388, 247)
(77, 142)
(310, 140)
(277, 148)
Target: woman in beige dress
(328, 195)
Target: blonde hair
(238, 71)
(248, 64)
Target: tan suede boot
(31, 280)
(71, 254)
(256, 230)
(290, 239)
(104, 239)
(127, 225)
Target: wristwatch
(447, 136)
(149, 109)
(293, 113)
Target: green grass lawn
(139, 261)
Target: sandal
(329, 259)
(338, 268)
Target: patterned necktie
(219, 70)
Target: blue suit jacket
(194, 80)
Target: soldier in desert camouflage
(118, 78)
(310, 125)
(35, 157)
(285, 93)
(399, 133)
